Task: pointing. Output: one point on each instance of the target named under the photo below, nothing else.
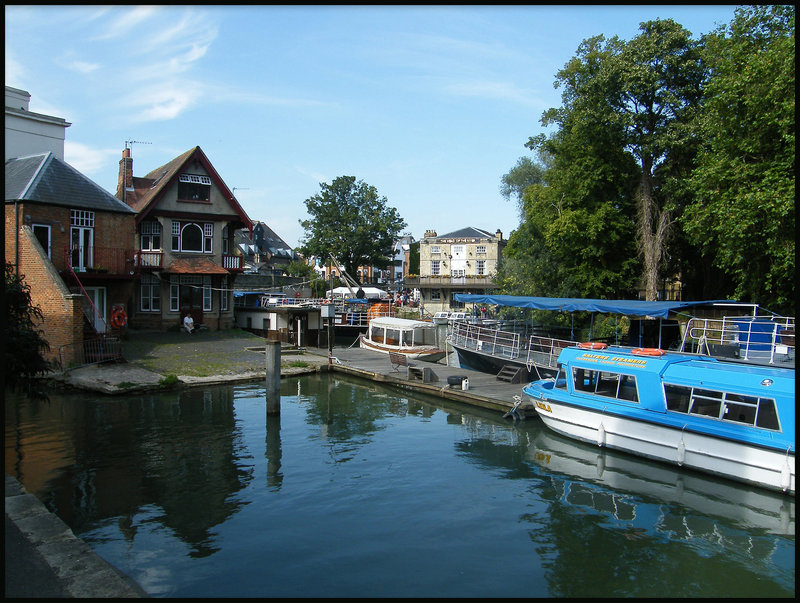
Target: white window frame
(435, 268)
(149, 294)
(207, 306)
(206, 236)
(150, 230)
(174, 293)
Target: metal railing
(503, 344)
(90, 351)
(759, 339)
(544, 351)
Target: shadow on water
(199, 492)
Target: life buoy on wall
(118, 318)
(648, 352)
(592, 345)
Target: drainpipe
(16, 237)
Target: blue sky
(430, 105)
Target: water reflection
(201, 493)
(94, 459)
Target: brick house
(73, 243)
(184, 235)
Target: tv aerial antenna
(127, 142)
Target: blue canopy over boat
(628, 307)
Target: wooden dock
(485, 390)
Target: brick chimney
(499, 234)
(125, 179)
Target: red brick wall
(62, 315)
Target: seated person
(188, 323)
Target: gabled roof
(46, 179)
(148, 190)
(468, 233)
(274, 244)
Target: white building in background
(31, 133)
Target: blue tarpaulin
(566, 304)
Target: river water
(360, 490)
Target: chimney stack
(499, 234)
(125, 179)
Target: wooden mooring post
(272, 357)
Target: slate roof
(274, 244)
(46, 179)
(468, 233)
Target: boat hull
(423, 353)
(768, 468)
(488, 363)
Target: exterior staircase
(513, 374)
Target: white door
(82, 243)
(458, 263)
(98, 313)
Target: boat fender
(601, 435)
(648, 352)
(681, 452)
(592, 345)
(786, 473)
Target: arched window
(192, 238)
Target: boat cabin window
(561, 378)
(604, 383)
(726, 406)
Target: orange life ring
(648, 352)
(118, 318)
(592, 345)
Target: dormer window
(193, 187)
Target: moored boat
(416, 339)
(730, 419)
(736, 331)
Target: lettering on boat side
(543, 405)
(605, 359)
(542, 457)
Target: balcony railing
(101, 260)
(448, 281)
(116, 262)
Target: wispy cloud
(82, 66)
(125, 21)
(87, 160)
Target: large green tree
(623, 103)
(577, 236)
(350, 220)
(743, 216)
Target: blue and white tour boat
(728, 418)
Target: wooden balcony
(114, 262)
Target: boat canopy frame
(627, 307)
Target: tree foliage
(743, 215)
(669, 156)
(25, 345)
(350, 220)
(524, 174)
(576, 238)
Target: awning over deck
(628, 307)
